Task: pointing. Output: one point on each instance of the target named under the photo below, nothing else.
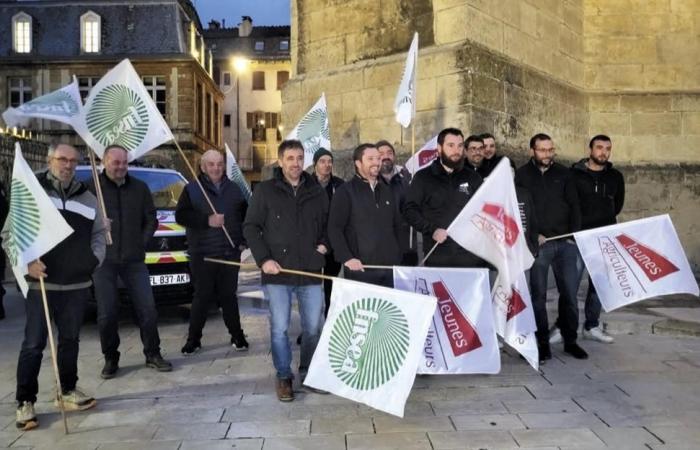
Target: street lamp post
(240, 64)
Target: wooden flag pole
(561, 236)
(254, 266)
(422, 263)
(98, 191)
(52, 345)
(413, 152)
(211, 205)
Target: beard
(599, 161)
(454, 165)
(543, 164)
(387, 167)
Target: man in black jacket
(132, 222)
(4, 210)
(213, 282)
(364, 223)
(437, 195)
(491, 159)
(474, 153)
(286, 229)
(323, 174)
(557, 212)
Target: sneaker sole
(159, 369)
(108, 376)
(73, 407)
(240, 349)
(285, 399)
(192, 352)
(591, 338)
(28, 425)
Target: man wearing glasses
(557, 212)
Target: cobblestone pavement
(642, 392)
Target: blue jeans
(135, 277)
(567, 267)
(592, 307)
(67, 309)
(310, 299)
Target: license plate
(170, 278)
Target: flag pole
(561, 236)
(52, 344)
(254, 266)
(422, 263)
(413, 153)
(98, 191)
(211, 205)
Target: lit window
(259, 46)
(90, 32)
(156, 88)
(284, 45)
(20, 90)
(22, 32)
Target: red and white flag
(636, 260)
(461, 338)
(423, 157)
(515, 319)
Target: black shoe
(544, 351)
(191, 347)
(110, 369)
(574, 350)
(299, 340)
(157, 362)
(239, 343)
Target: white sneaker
(597, 334)
(554, 336)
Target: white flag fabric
(234, 173)
(423, 157)
(461, 338)
(514, 318)
(34, 226)
(119, 110)
(405, 103)
(371, 344)
(489, 226)
(313, 131)
(632, 261)
(63, 105)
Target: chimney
(223, 23)
(214, 24)
(245, 27)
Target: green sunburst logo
(313, 130)
(118, 115)
(368, 343)
(24, 219)
(58, 103)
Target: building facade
(45, 43)
(251, 66)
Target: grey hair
(54, 146)
(206, 155)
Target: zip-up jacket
(434, 199)
(557, 207)
(527, 217)
(399, 183)
(601, 194)
(287, 225)
(130, 208)
(193, 213)
(365, 223)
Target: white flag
(489, 226)
(234, 173)
(515, 319)
(636, 260)
(461, 338)
(313, 131)
(34, 226)
(119, 110)
(371, 344)
(63, 105)
(423, 157)
(405, 103)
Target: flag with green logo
(119, 110)
(63, 105)
(371, 344)
(313, 131)
(34, 226)
(234, 173)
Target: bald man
(206, 238)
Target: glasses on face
(66, 161)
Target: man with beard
(398, 178)
(364, 222)
(437, 195)
(491, 159)
(557, 212)
(474, 151)
(601, 191)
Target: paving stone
(542, 406)
(675, 434)
(464, 407)
(42, 438)
(388, 441)
(304, 411)
(269, 429)
(330, 442)
(560, 420)
(488, 422)
(140, 445)
(576, 437)
(99, 420)
(407, 424)
(188, 415)
(412, 409)
(192, 431)
(224, 444)
(7, 437)
(471, 439)
(620, 437)
(264, 412)
(341, 426)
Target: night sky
(263, 12)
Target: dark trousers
(567, 266)
(592, 307)
(66, 309)
(332, 269)
(214, 283)
(135, 277)
(380, 277)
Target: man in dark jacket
(399, 178)
(206, 238)
(557, 212)
(66, 270)
(286, 229)
(491, 159)
(364, 223)
(4, 210)
(132, 222)
(437, 195)
(474, 153)
(323, 174)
